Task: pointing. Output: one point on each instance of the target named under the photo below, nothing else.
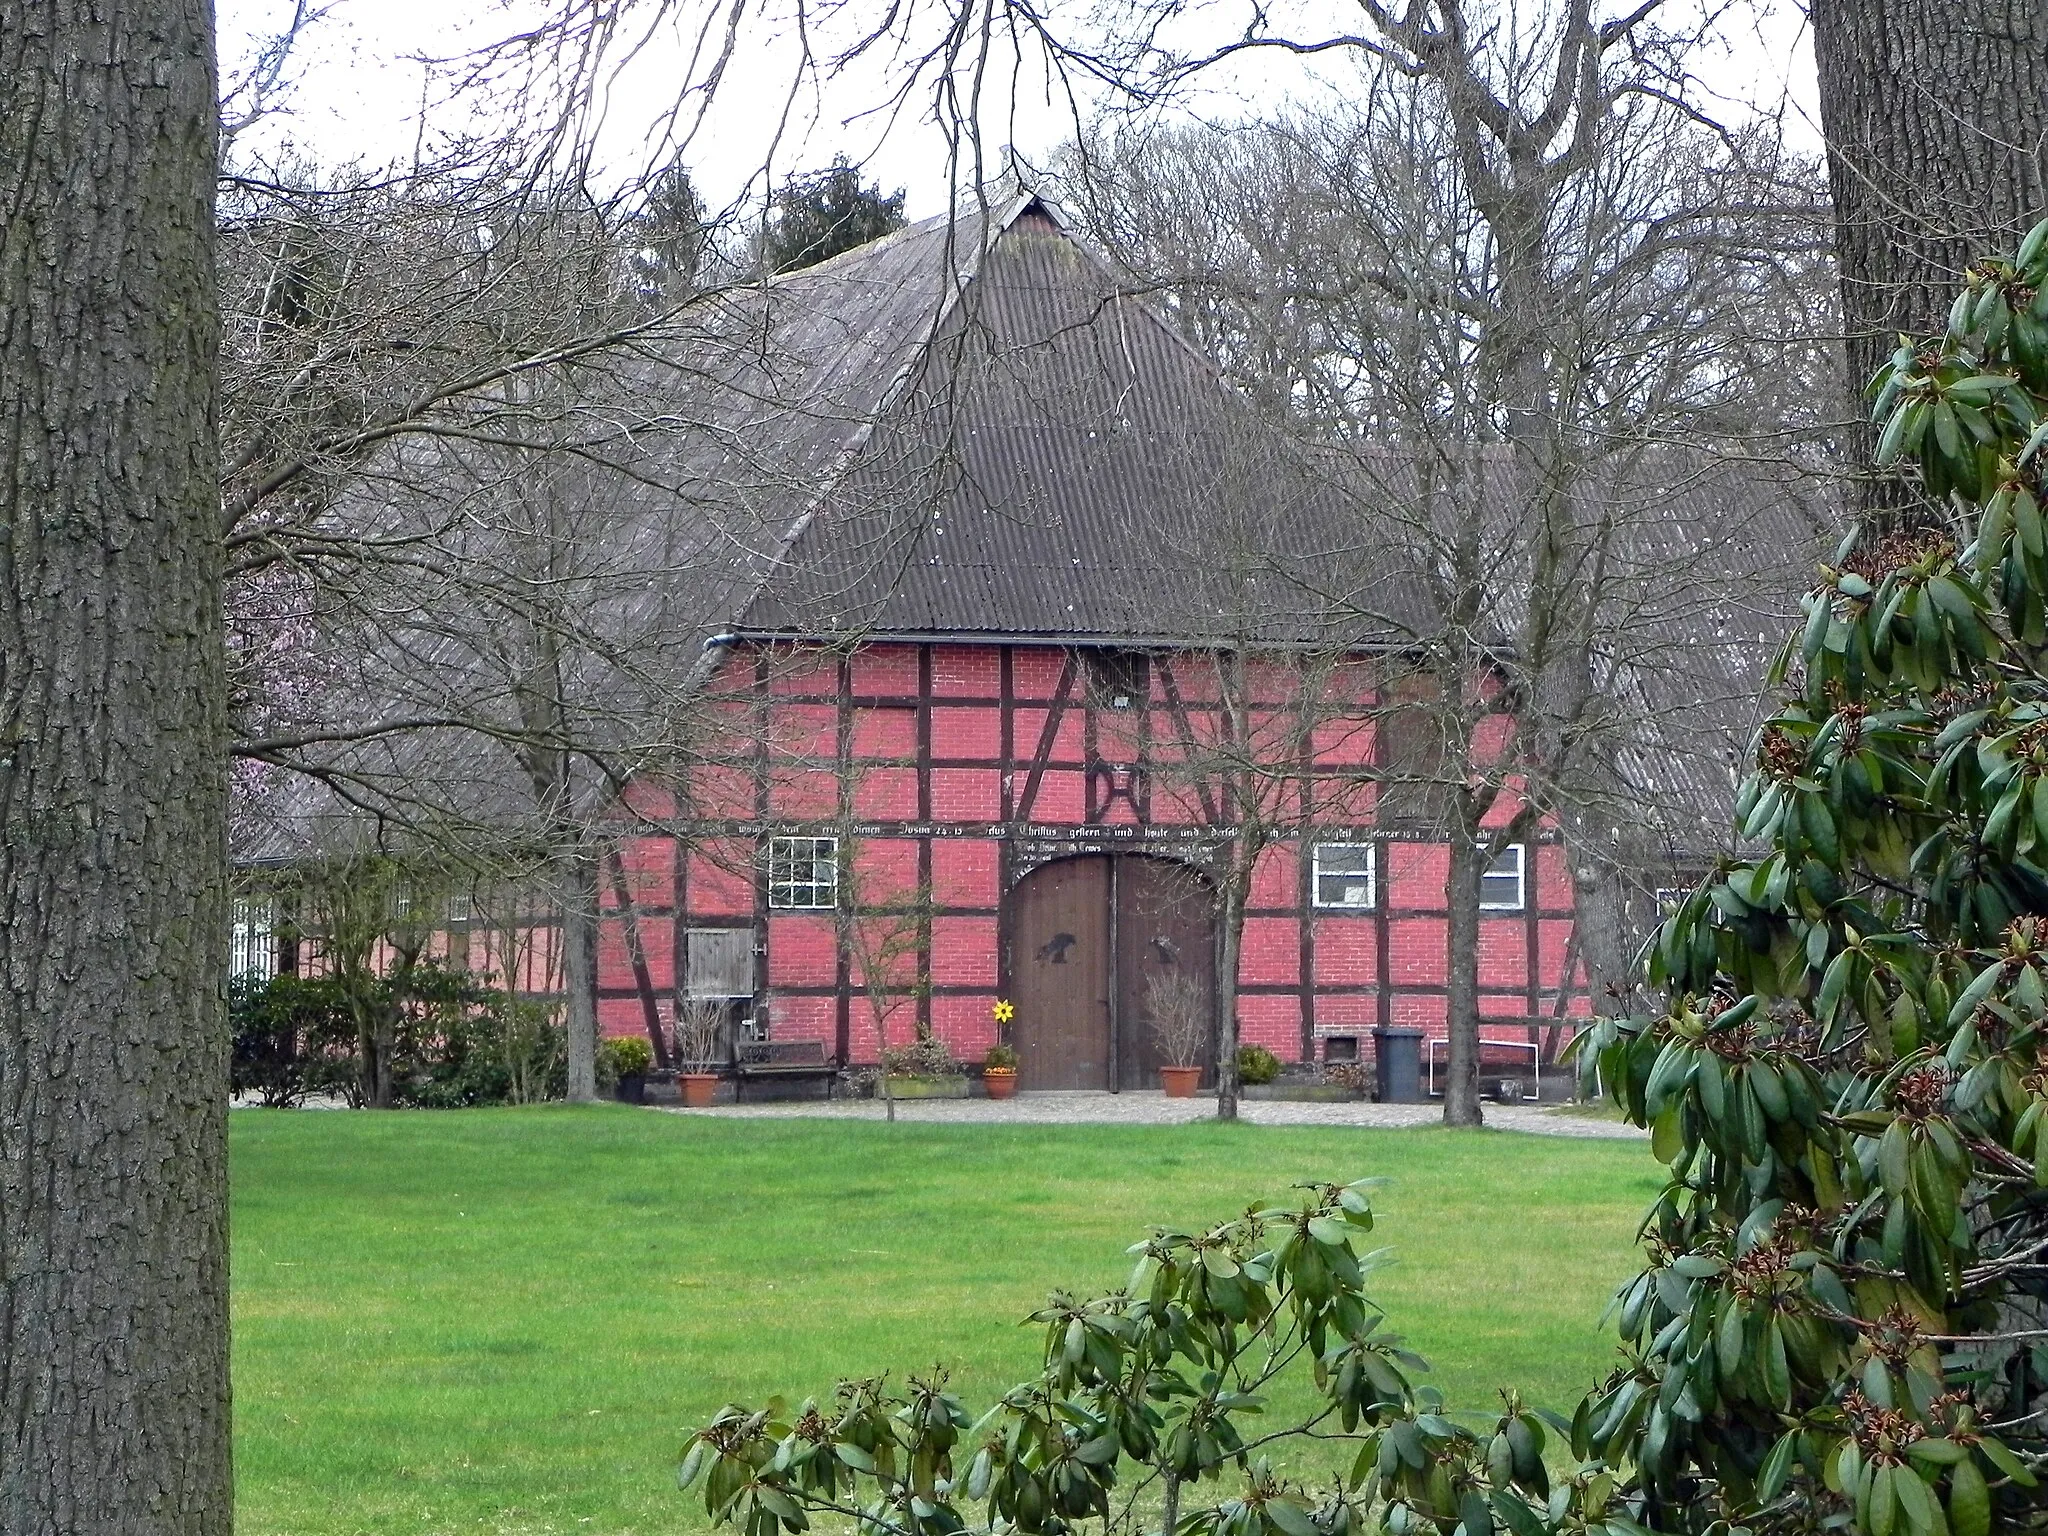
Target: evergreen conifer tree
(817, 216)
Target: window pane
(1500, 888)
(250, 948)
(1344, 875)
(803, 872)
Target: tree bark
(1936, 117)
(1461, 1067)
(114, 1403)
(371, 1011)
(636, 956)
(579, 971)
(1229, 945)
(1607, 868)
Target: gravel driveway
(1153, 1108)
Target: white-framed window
(252, 937)
(803, 873)
(1500, 888)
(1344, 876)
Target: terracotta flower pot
(698, 1088)
(1180, 1082)
(1001, 1082)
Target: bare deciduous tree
(885, 929)
(1494, 295)
(469, 574)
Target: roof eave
(1094, 639)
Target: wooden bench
(783, 1069)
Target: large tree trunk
(113, 889)
(1609, 864)
(1461, 893)
(1936, 116)
(1606, 942)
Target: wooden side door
(1165, 919)
(1061, 971)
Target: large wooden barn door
(1165, 921)
(1062, 973)
(1087, 934)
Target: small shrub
(1000, 1058)
(926, 1056)
(625, 1056)
(1179, 1008)
(461, 1042)
(700, 1031)
(292, 1036)
(535, 1050)
(1256, 1064)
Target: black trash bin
(1397, 1064)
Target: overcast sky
(362, 72)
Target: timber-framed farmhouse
(1045, 630)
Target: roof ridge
(1121, 289)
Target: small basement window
(1344, 875)
(803, 873)
(1500, 888)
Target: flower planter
(698, 1088)
(631, 1088)
(1001, 1082)
(1284, 1092)
(1180, 1082)
(907, 1087)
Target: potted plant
(999, 1072)
(628, 1059)
(1179, 1007)
(700, 1026)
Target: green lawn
(500, 1320)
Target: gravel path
(1153, 1108)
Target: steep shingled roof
(1062, 465)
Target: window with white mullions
(252, 937)
(1344, 876)
(1501, 886)
(803, 873)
